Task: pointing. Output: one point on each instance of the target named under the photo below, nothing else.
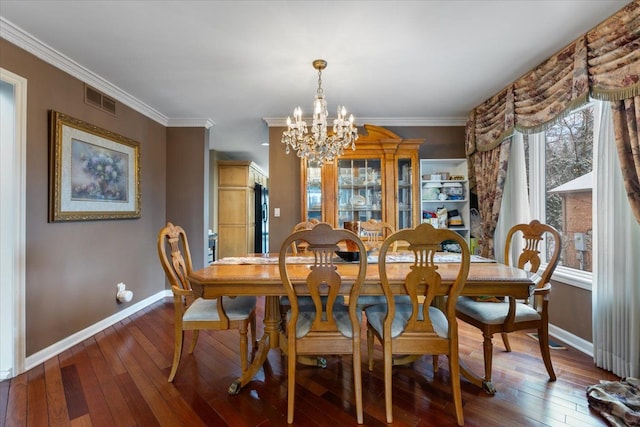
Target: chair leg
(488, 355)
(454, 368)
(194, 341)
(291, 384)
(505, 341)
(388, 366)
(357, 380)
(370, 347)
(435, 363)
(243, 345)
(543, 339)
(177, 352)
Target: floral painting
(97, 173)
(94, 173)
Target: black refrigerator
(262, 219)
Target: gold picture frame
(94, 174)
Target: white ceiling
(234, 63)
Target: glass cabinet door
(405, 194)
(314, 191)
(359, 194)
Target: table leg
(268, 341)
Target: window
(560, 164)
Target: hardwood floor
(119, 378)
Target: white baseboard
(68, 342)
(5, 374)
(573, 340)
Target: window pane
(569, 184)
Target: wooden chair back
(373, 233)
(533, 235)
(304, 225)
(175, 258)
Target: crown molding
(386, 121)
(190, 123)
(24, 40)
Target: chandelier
(319, 146)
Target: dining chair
(417, 327)
(508, 315)
(192, 313)
(300, 248)
(304, 225)
(327, 326)
(373, 233)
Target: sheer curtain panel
(515, 199)
(616, 289)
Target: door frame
(13, 193)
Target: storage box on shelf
(444, 184)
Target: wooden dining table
(258, 275)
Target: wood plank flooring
(119, 378)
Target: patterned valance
(604, 63)
(557, 85)
(492, 121)
(614, 55)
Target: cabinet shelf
(452, 167)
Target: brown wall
(284, 190)
(72, 268)
(188, 187)
(570, 309)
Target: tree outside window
(568, 184)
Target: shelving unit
(431, 200)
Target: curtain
(515, 200)
(487, 146)
(616, 290)
(626, 118)
(552, 89)
(614, 70)
(490, 169)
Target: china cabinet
(236, 206)
(444, 185)
(379, 180)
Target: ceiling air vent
(99, 100)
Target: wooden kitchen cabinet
(236, 206)
(379, 180)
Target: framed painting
(94, 174)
